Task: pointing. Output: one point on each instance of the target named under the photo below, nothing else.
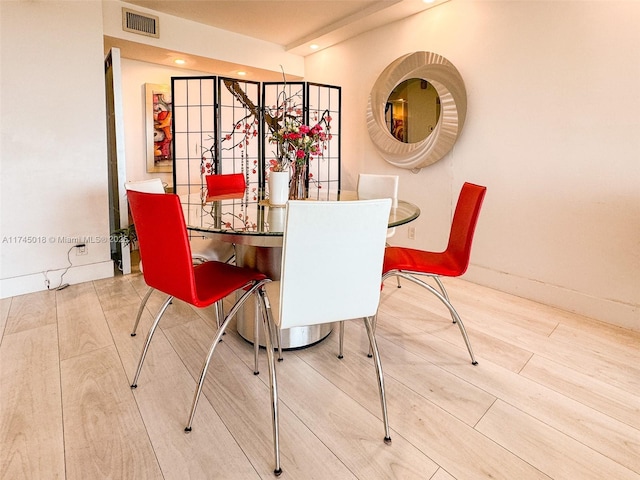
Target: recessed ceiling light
(179, 61)
(428, 1)
(314, 46)
(241, 73)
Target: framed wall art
(159, 116)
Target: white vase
(275, 218)
(278, 188)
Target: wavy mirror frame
(447, 81)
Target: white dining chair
(331, 269)
(202, 249)
(372, 185)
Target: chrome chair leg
(380, 375)
(219, 313)
(256, 336)
(277, 334)
(444, 292)
(143, 303)
(375, 317)
(444, 299)
(267, 323)
(341, 342)
(214, 344)
(374, 322)
(134, 383)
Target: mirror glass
(412, 110)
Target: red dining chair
(168, 268)
(453, 262)
(223, 186)
(202, 249)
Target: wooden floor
(555, 395)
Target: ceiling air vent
(141, 23)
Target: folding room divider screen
(223, 125)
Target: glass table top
(245, 217)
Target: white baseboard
(35, 282)
(609, 311)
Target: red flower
(297, 142)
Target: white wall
(552, 130)
(135, 75)
(52, 144)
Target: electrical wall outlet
(81, 250)
(412, 233)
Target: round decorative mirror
(416, 110)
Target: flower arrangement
(297, 143)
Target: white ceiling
(294, 24)
(282, 22)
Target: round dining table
(256, 229)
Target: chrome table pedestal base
(267, 260)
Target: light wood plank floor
(555, 395)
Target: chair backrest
(372, 185)
(464, 223)
(225, 185)
(153, 185)
(164, 244)
(332, 260)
